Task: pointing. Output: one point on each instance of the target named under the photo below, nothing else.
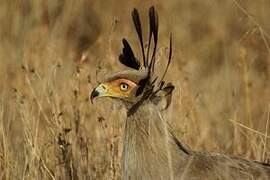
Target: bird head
(139, 83)
(123, 85)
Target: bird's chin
(119, 100)
(126, 102)
(116, 99)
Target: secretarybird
(150, 149)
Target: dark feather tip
(153, 18)
(138, 26)
(142, 83)
(127, 58)
(154, 22)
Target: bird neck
(150, 150)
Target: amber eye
(124, 86)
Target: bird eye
(124, 86)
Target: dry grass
(49, 129)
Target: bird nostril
(103, 87)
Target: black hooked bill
(94, 94)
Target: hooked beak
(99, 91)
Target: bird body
(151, 152)
(150, 149)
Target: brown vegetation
(52, 54)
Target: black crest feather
(148, 87)
(138, 26)
(127, 57)
(142, 83)
(153, 18)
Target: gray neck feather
(150, 150)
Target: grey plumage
(152, 152)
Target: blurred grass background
(53, 52)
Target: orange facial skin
(114, 88)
